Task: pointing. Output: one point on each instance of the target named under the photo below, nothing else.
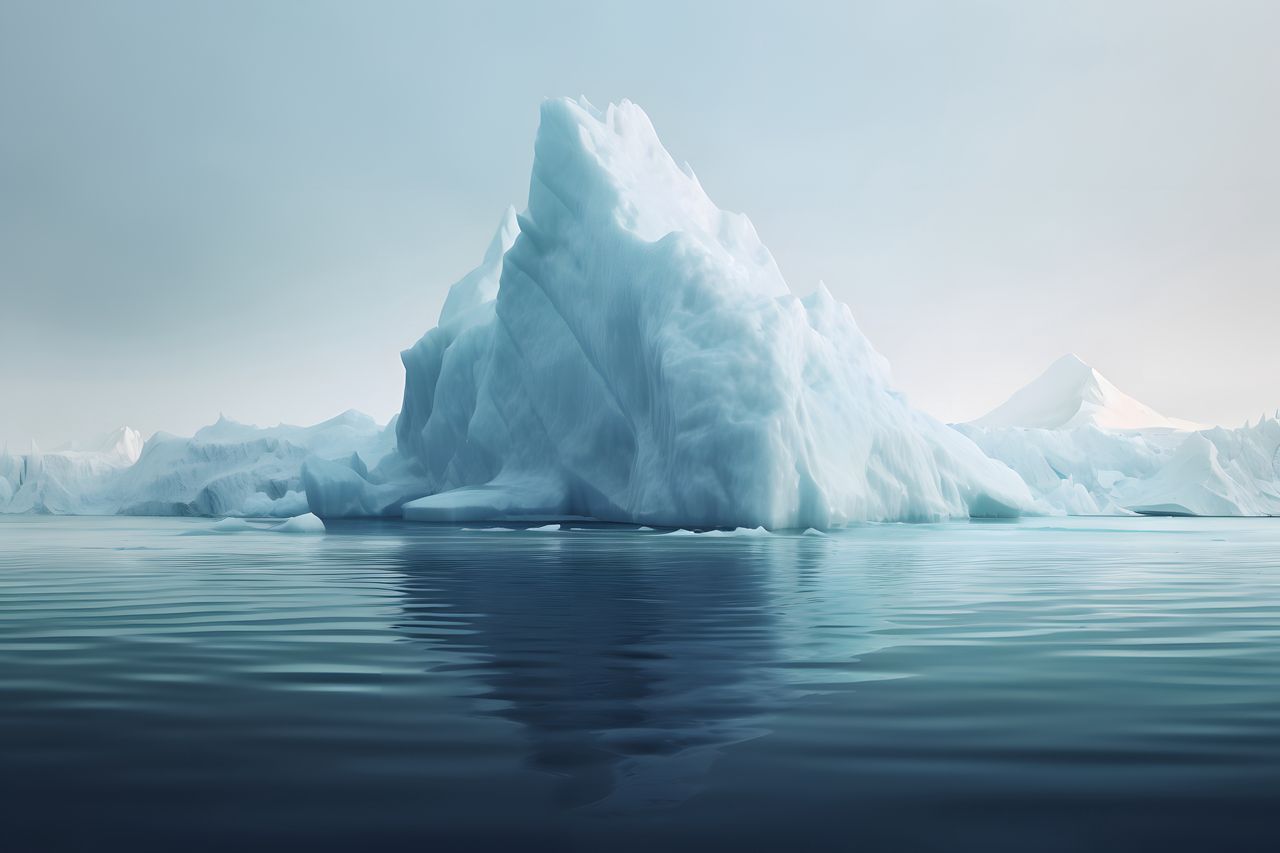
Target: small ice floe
(488, 530)
(644, 530)
(223, 525)
(737, 531)
(546, 528)
(230, 525)
(306, 523)
(813, 531)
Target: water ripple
(599, 687)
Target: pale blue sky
(252, 207)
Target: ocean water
(1040, 685)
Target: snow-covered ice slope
(224, 469)
(230, 468)
(643, 360)
(1085, 448)
(1072, 394)
(1203, 478)
(65, 482)
(124, 444)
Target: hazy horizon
(251, 209)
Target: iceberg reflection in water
(629, 668)
(1066, 682)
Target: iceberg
(1086, 448)
(1215, 472)
(630, 352)
(305, 523)
(65, 482)
(229, 468)
(222, 526)
(626, 351)
(225, 469)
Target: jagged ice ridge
(630, 352)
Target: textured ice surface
(643, 360)
(226, 469)
(1216, 472)
(306, 523)
(237, 469)
(65, 482)
(627, 351)
(1142, 464)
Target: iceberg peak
(124, 442)
(481, 284)
(1070, 394)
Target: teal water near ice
(1040, 685)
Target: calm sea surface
(1033, 686)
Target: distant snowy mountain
(1084, 447)
(1072, 394)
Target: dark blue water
(1035, 686)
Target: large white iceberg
(630, 352)
(1215, 472)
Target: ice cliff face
(642, 359)
(226, 468)
(1213, 473)
(229, 468)
(64, 481)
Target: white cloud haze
(251, 208)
